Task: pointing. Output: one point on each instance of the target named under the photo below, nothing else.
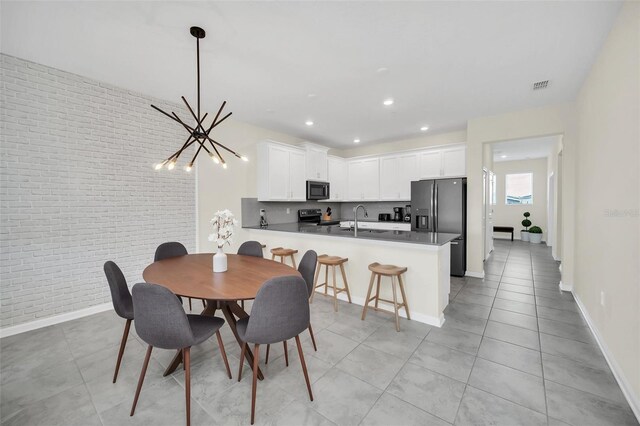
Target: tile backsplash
(276, 212)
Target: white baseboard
(474, 274)
(627, 390)
(56, 319)
(565, 286)
(425, 319)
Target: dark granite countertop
(412, 237)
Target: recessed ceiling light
(388, 102)
(382, 69)
(356, 140)
(424, 128)
(311, 95)
(503, 156)
(309, 123)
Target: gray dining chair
(173, 249)
(162, 323)
(251, 248)
(280, 312)
(122, 304)
(307, 268)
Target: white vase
(535, 238)
(220, 261)
(524, 235)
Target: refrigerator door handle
(432, 218)
(435, 209)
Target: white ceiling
(524, 149)
(446, 61)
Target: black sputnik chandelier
(197, 134)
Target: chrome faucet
(355, 218)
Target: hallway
(536, 350)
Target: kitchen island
(425, 254)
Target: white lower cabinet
(383, 226)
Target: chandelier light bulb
(171, 165)
(158, 166)
(188, 167)
(224, 165)
(243, 158)
(215, 159)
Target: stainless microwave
(317, 190)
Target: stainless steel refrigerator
(440, 205)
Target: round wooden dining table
(192, 276)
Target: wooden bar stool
(377, 271)
(283, 253)
(331, 261)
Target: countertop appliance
(314, 217)
(384, 217)
(398, 214)
(317, 190)
(440, 205)
(407, 213)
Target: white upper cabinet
(454, 162)
(396, 174)
(281, 172)
(363, 179)
(430, 164)
(284, 169)
(297, 173)
(337, 177)
(443, 162)
(316, 157)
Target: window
(519, 188)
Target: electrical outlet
(288, 210)
(602, 300)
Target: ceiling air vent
(539, 85)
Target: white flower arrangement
(223, 223)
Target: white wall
(545, 121)
(608, 195)
(511, 215)
(78, 188)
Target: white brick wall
(77, 188)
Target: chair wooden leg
(204, 303)
(187, 382)
(242, 349)
(304, 367)
(313, 339)
(366, 301)
(335, 290)
(256, 358)
(242, 304)
(404, 297)
(315, 283)
(377, 291)
(266, 358)
(346, 284)
(281, 261)
(326, 279)
(223, 353)
(273, 256)
(293, 260)
(286, 353)
(141, 379)
(123, 343)
(395, 302)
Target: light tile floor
(514, 351)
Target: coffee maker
(398, 214)
(407, 213)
